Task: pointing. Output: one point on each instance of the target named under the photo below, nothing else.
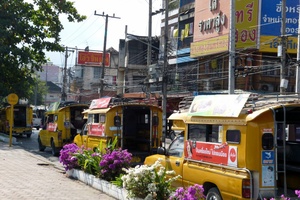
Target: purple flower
(194, 192)
(297, 192)
(66, 156)
(112, 163)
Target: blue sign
(270, 22)
(267, 157)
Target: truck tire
(213, 194)
(54, 150)
(41, 146)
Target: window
(197, 132)
(267, 141)
(176, 147)
(51, 118)
(96, 118)
(102, 118)
(97, 72)
(233, 136)
(204, 132)
(90, 119)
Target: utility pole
(149, 45)
(231, 63)
(165, 72)
(126, 57)
(283, 70)
(63, 94)
(104, 50)
(297, 82)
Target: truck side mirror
(117, 121)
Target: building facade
(200, 31)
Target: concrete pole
(231, 63)
(283, 70)
(165, 73)
(149, 52)
(63, 94)
(125, 62)
(103, 58)
(297, 82)
(104, 51)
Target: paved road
(27, 176)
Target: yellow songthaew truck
(63, 120)
(137, 125)
(22, 120)
(239, 146)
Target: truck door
(175, 158)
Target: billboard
(270, 25)
(270, 22)
(211, 28)
(92, 58)
(246, 23)
(218, 105)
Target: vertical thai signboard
(246, 21)
(210, 28)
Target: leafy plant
(118, 182)
(88, 160)
(112, 145)
(148, 182)
(194, 192)
(67, 157)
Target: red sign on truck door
(214, 153)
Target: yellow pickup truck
(236, 146)
(22, 120)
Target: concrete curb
(5, 138)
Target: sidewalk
(28, 176)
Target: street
(31, 145)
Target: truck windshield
(176, 147)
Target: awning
(95, 111)
(185, 59)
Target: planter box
(99, 184)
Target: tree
(37, 96)
(27, 30)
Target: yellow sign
(209, 46)
(12, 99)
(270, 44)
(246, 33)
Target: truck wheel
(213, 194)
(53, 148)
(41, 146)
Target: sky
(133, 13)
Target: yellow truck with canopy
(22, 120)
(63, 120)
(136, 124)
(239, 146)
